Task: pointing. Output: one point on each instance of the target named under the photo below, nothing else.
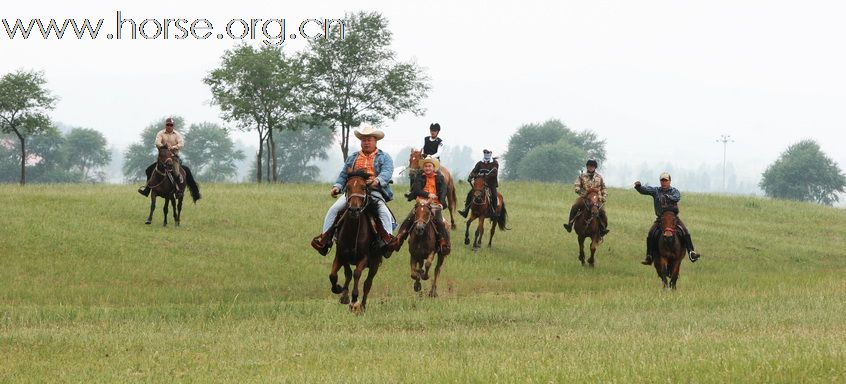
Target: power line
(725, 139)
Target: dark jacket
(420, 181)
(663, 199)
(489, 170)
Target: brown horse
(414, 168)
(162, 183)
(671, 250)
(355, 242)
(479, 208)
(422, 246)
(586, 224)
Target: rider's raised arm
(646, 190)
(387, 171)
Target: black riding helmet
(592, 162)
(435, 127)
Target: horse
(671, 250)
(586, 224)
(162, 184)
(355, 243)
(422, 246)
(479, 208)
(414, 166)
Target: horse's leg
(594, 240)
(177, 213)
(451, 200)
(428, 263)
(345, 291)
(467, 230)
(415, 275)
(333, 275)
(581, 241)
(434, 291)
(164, 209)
(359, 268)
(661, 268)
(480, 231)
(493, 230)
(674, 271)
(368, 282)
(152, 207)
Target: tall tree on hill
(24, 103)
(541, 137)
(258, 89)
(354, 76)
(803, 172)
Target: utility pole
(725, 139)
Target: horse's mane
(359, 173)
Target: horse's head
(414, 159)
(357, 192)
(422, 216)
(668, 225)
(478, 190)
(165, 156)
(593, 201)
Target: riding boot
(649, 251)
(466, 209)
(444, 236)
(323, 242)
(144, 190)
(385, 240)
(494, 203)
(603, 223)
(691, 253)
(396, 244)
(569, 224)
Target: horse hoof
(356, 308)
(417, 286)
(466, 241)
(148, 222)
(433, 294)
(336, 289)
(345, 300)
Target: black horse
(162, 182)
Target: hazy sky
(660, 80)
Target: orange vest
(430, 187)
(365, 162)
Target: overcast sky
(660, 80)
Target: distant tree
(259, 89)
(356, 78)
(24, 103)
(85, 151)
(803, 172)
(532, 136)
(140, 155)
(558, 163)
(299, 147)
(212, 154)
(459, 160)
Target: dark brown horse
(422, 246)
(355, 243)
(586, 224)
(414, 168)
(671, 250)
(480, 208)
(163, 183)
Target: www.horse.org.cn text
(271, 31)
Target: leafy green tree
(24, 103)
(211, 153)
(259, 89)
(85, 151)
(356, 78)
(803, 172)
(300, 146)
(140, 155)
(531, 136)
(558, 162)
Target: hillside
(89, 293)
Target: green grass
(88, 293)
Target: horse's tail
(192, 184)
(502, 218)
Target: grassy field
(88, 293)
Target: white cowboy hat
(432, 160)
(366, 129)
